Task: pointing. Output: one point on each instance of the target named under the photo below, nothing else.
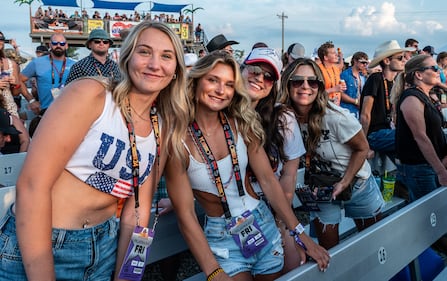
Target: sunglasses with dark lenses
(256, 70)
(61, 43)
(298, 81)
(434, 68)
(364, 62)
(399, 58)
(98, 41)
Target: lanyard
(207, 154)
(53, 67)
(134, 153)
(100, 72)
(387, 95)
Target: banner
(117, 26)
(94, 24)
(184, 35)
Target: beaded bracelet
(214, 274)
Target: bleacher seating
(382, 250)
(10, 167)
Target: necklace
(212, 131)
(139, 115)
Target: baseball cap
(6, 126)
(190, 59)
(429, 49)
(266, 55)
(41, 49)
(296, 51)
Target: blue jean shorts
(366, 202)
(86, 254)
(419, 179)
(268, 260)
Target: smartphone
(324, 194)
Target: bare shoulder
(87, 86)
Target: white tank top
(103, 159)
(201, 179)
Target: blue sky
(351, 25)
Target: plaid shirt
(90, 66)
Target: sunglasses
(61, 43)
(257, 70)
(98, 41)
(298, 81)
(399, 58)
(365, 62)
(434, 68)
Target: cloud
(368, 21)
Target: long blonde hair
(240, 106)
(172, 101)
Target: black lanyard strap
(208, 156)
(133, 145)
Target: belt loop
(60, 238)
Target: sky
(351, 25)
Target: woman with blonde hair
(94, 146)
(241, 238)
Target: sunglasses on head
(257, 70)
(298, 81)
(98, 41)
(61, 43)
(434, 68)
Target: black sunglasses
(256, 70)
(61, 43)
(298, 81)
(365, 62)
(98, 41)
(399, 58)
(434, 68)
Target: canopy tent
(157, 7)
(102, 4)
(57, 3)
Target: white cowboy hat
(387, 49)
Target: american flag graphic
(107, 184)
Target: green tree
(192, 11)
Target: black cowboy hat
(219, 42)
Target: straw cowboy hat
(387, 49)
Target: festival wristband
(214, 273)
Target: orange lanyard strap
(53, 67)
(387, 95)
(207, 155)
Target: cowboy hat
(219, 42)
(387, 49)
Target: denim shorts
(366, 202)
(419, 179)
(268, 260)
(86, 254)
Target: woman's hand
(318, 253)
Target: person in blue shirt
(50, 72)
(355, 79)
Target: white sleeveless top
(103, 159)
(201, 179)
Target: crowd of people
(229, 135)
(49, 14)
